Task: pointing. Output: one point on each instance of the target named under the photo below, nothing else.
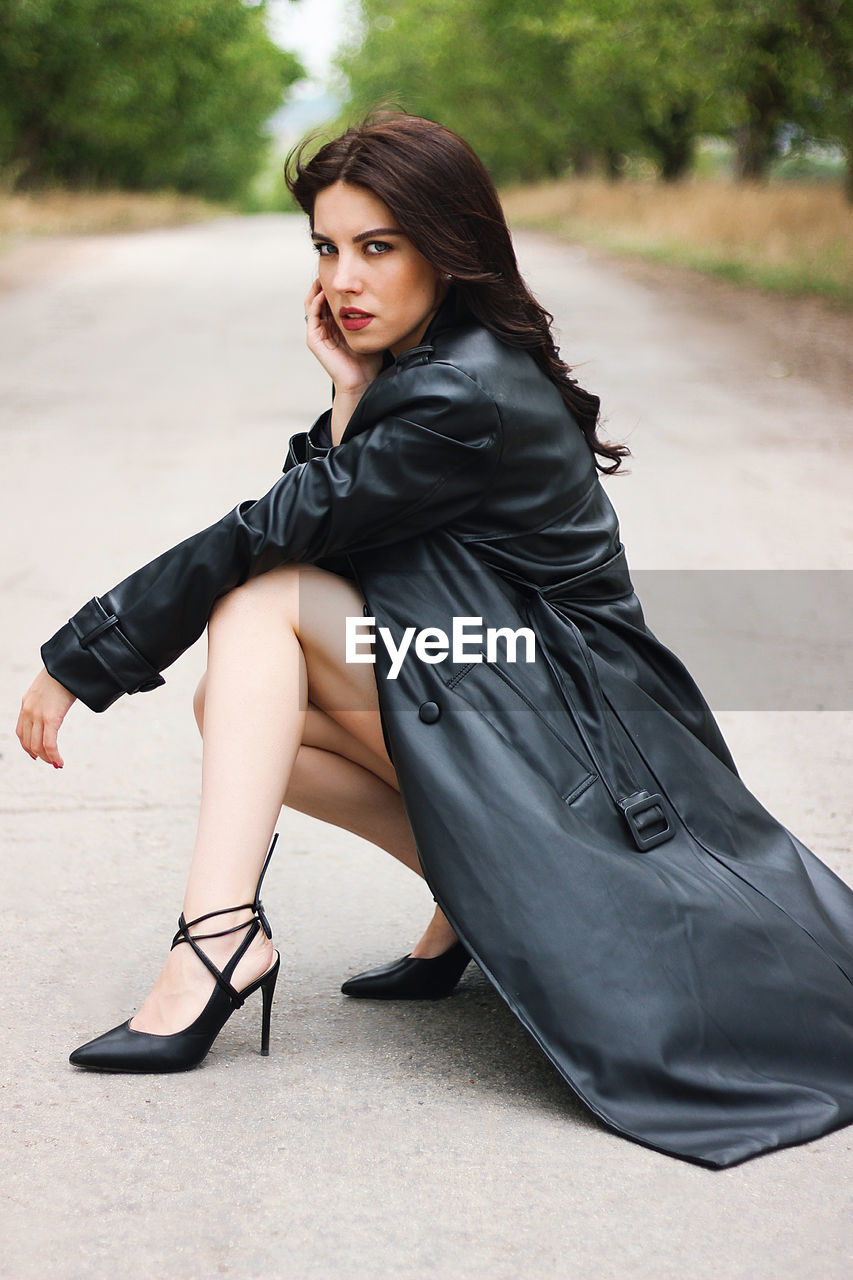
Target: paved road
(148, 383)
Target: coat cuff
(302, 446)
(93, 658)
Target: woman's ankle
(438, 938)
(185, 984)
(257, 958)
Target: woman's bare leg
(254, 715)
(332, 779)
(340, 781)
(290, 622)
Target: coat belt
(647, 814)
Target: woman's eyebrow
(364, 235)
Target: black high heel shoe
(124, 1049)
(410, 978)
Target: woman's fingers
(32, 738)
(322, 331)
(312, 317)
(312, 292)
(24, 730)
(314, 309)
(329, 345)
(49, 749)
(36, 741)
(43, 709)
(326, 342)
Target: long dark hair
(445, 202)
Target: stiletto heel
(124, 1049)
(267, 989)
(411, 978)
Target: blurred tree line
(137, 93)
(542, 87)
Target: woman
(683, 960)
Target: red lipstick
(352, 318)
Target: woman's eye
(324, 250)
(377, 246)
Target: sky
(312, 29)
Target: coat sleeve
(422, 461)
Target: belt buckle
(648, 818)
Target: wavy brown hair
(445, 202)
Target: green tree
(762, 73)
(766, 84)
(538, 85)
(535, 86)
(773, 63)
(138, 93)
(827, 27)
(481, 67)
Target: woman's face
(381, 291)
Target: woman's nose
(347, 277)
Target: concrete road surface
(149, 383)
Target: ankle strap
(257, 922)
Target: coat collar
(449, 315)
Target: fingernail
(57, 766)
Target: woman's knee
(277, 590)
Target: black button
(366, 611)
(429, 712)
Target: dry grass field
(84, 212)
(794, 238)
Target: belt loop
(97, 631)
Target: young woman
(514, 730)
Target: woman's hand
(350, 373)
(43, 708)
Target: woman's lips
(352, 319)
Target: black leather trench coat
(680, 957)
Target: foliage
(490, 73)
(138, 93)
(640, 78)
(541, 87)
(535, 87)
(827, 28)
